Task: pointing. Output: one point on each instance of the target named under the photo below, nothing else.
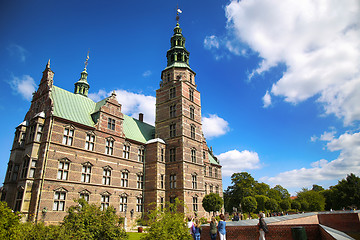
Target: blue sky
(279, 80)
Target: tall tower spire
(82, 86)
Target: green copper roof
(81, 109)
(73, 107)
(137, 130)
(178, 64)
(212, 159)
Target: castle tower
(82, 86)
(178, 122)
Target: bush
(254, 216)
(203, 220)
(167, 224)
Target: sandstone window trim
(194, 180)
(59, 199)
(191, 94)
(141, 154)
(172, 128)
(192, 131)
(172, 110)
(139, 204)
(125, 178)
(195, 203)
(86, 172)
(172, 181)
(19, 199)
(85, 194)
(172, 92)
(140, 180)
(68, 136)
(192, 112)
(172, 154)
(106, 179)
(193, 155)
(90, 141)
(105, 200)
(25, 167)
(126, 150)
(123, 202)
(111, 123)
(63, 169)
(109, 146)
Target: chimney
(141, 117)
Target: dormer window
(111, 123)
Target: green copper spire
(177, 55)
(82, 86)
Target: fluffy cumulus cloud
(214, 126)
(318, 41)
(348, 161)
(132, 103)
(236, 161)
(267, 99)
(24, 85)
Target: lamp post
(125, 220)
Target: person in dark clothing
(196, 229)
(262, 227)
(213, 228)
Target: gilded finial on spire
(48, 64)
(178, 10)
(87, 59)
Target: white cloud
(267, 99)
(132, 103)
(214, 126)
(147, 73)
(348, 161)
(235, 161)
(318, 41)
(211, 42)
(24, 85)
(17, 51)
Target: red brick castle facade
(69, 146)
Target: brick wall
(345, 222)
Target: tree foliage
(249, 204)
(261, 200)
(271, 204)
(212, 202)
(315, 200)
(167, 223)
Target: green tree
(285, 204)
(271, 204)
(249, 204)
(9, 222)
(261, 200)
(88, 221)
(304, 206)
(315, 199)
(243, 185)
(346, 193)
(317, 188)
(262, 189)
(212, 202)
(295, 205)
(167, 224)
(278, 193)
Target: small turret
(82, 86)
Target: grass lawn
(134, 235)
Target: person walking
(262, 227)
(213, 229)
(196, 229)
(221, 227)
(190, 224)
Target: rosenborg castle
(69, 147)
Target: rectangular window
(68, 136)
(139, 204)
(210, 171)
(123, 203)
(172, 199)
(192, 113)
(109, 148)
(194, 181)
(172, 111)
(15, 172)
(195, 204)
(22, 139)
(126, 151)
(204, 170)
(162, 181)
(63, 170)
(25, 168)
(161, 203)
(59, 201)
(124, 179)
(172, 154)
(105, 202)
(193, 155)
(204, 155)
(162, 155)
(39, 133)
(140, 181)
(172, 130)
(86, 173)
(172, 92)
(141, 155)
(211, 188)
(111, 123)
(32, 169)
(9, 171)
(191, 94)
(192, 129)
(217, 189)
(90, 142)
(205, 188)
(106, 176)
(85, 196)
(32, 133)
(216, 172)
(18, 201)
(172, 181)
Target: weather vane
(87, 59)
(178, 10)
